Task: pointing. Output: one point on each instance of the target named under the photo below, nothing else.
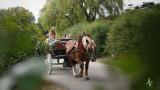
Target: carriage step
(58, 56)
(66, 64)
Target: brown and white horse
(81, 51)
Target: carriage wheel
(49, 68)
(58, 60)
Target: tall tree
(65, 13)
(20, 16)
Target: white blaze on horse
(80, 51)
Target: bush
(135, 38)
(131, 31)
(97, 29)
(20, 38)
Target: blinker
(89, 35)
(79, 36)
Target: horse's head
(90, 47)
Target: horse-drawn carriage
(57, 52)
(74, 52)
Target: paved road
(101, 76)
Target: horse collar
(80, 46)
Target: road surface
(101, 77)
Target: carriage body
(57, 52)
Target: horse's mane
(86, 41)
(94, 44)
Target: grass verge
(51, 85)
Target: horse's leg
(86, 70)
(73, 68)
(74, 71)
(81, 67)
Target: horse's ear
(95, 40)
(83, 34)
(79, 36)
(89, 35)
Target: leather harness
(80, 47)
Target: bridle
(89, 52)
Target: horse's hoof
(86, 78)
(75, 76)
(79, 75)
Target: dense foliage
(131, 31)
(20, 38)
(63, 14)
(134, 37)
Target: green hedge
(131, 31)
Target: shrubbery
(20, 38)
(135, 38)
(132, 30)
